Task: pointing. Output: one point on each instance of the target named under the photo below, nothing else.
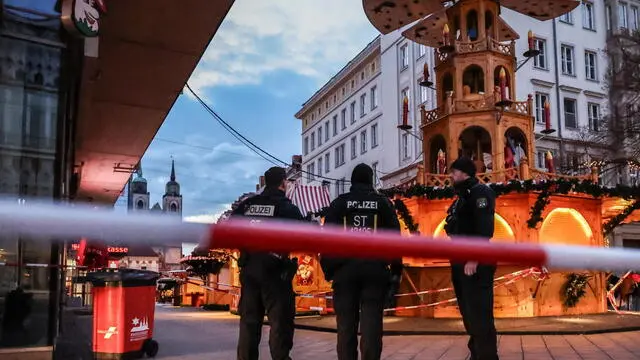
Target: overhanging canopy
(147, 51)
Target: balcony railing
(478, 103)
(467, 47)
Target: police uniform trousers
(475, 300)
(359, 300)
(274, 295)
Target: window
(404, 57)
(405, 146)
(622, 16)
(327, 158)
(326, 130)
(374, 135)
(374, 167)
(594, 117)
(306, 145)
(422, 51)
(354, 147)
(310, 172)
(353, 112)
(335, 125)
(540, 61)
(570, 119)
(424, 93)
(326, 105)
(609, 18)
(340, 188)
(343, 118)
(353, 84)
(320, 136)
(541, 163)
(374, 97)
(313, 141)
(363, 141)
(590, 59)
(567, 60)
(339, 155)
(588, 16)
(567, 18)
(320, 166)
(540, 100)
(634, 18)
(362, 75)
(363, 101)
(373, 68)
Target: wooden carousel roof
(390, 15)
(541, 10)
(428, 31)
(387, 16)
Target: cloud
(210, 178)
(207, 218)
(304, 37)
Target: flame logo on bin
(140, 329)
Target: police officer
(472, 215)
(266, 278)
(360, 286)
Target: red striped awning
(310, 199)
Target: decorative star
(135, 321)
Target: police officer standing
(472, 214)
(360, 286)
(266, 278)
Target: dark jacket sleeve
(239, 211)
(335, 212)
(392, 223)
(290, 211)
(484, 208)
(334, 217)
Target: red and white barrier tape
(45, 221)
(39, 265)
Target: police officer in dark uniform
(472, 215)
(360, 286)
(266, 278)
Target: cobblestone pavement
(187, 334)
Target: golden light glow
(565, 226)
(503, 231)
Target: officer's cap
(274, 177)
(465, 165)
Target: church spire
(173, 170)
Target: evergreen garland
(546, 189)
(535, 215)
(202, 264)
(404, 213)
(618, 219)
(574, 289)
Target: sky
(265, 61)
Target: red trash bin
(123, 313)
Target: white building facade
(342, 124)
(570, 73)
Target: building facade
(342, 123)
(80, 101)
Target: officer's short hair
(274, 177)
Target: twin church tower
(138, 199)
